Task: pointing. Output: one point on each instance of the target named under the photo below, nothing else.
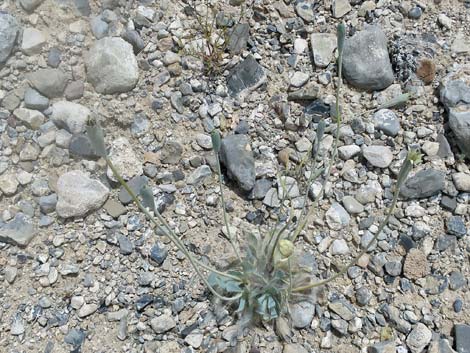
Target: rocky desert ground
(81, 270)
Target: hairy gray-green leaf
(96, 136)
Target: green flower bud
(286, 248)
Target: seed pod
(286, 247)
(341, 35)
(215, 137)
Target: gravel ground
(81, 270)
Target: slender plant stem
(173, 237)
(229, 233)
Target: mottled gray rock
(294, 348)
(30, 5)
(246, 76)
(287, 188)
(462, 338)
(163, 323)
(387, 121)
(378, 156)
(455, 87)
(200, 174)
(425, 183)
(339, 247)
(366, 63)
(8, 184)
(48, 203)
(135, 184)
(35, 100)
(112, 66)
(87, 310)
(260, 189)
(31, 118)
(124, 158)
(459, 122)
(9, 29)
(305, 10)
(382, 347)
(339, 8)
(352, 205)
(344, 309)
(78, 194)
(19, 231)
(302, 314)
(98, 27)
(81, 146)
(461, 181)
(337, 217)
(133, 38)
(74, 90)
(49, 82)
(348, 151)
(455, 95)
(237, 156)
(238, 38)
(323, 47)
(70, 116)
(33, 41)
(419, 338)
(83, 7)
(54, 57)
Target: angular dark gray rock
(19, 231)
(462, 338)
(238, 38)
(366, 62)
(35, 100)
(425, 183)
(237, 156)
(246, 76)
(459, 122)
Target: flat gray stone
(425, 183)
(246, 76)
(19, 231)
(49, 82)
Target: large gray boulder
(237, 156)
(366, 63)
(79, 195)
(112, 66)
(8, 32)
